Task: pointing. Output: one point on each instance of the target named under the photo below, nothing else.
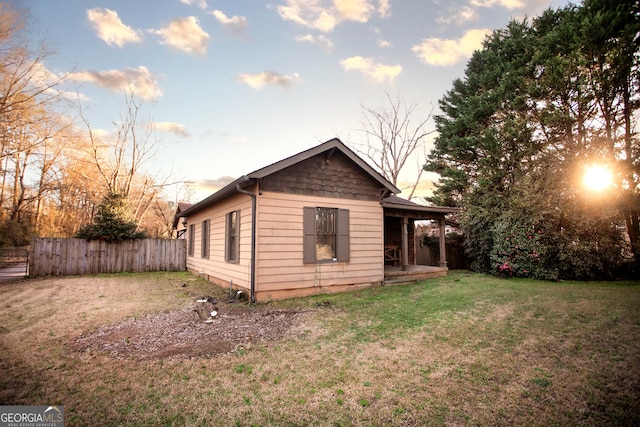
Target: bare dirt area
(140, 317)
(182, 334)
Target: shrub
(111, 222)
(520, 250)
(581, 249)
(594, 251)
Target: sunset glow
(597, 178)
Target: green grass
(466, 349)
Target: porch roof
(397, 206)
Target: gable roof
(180, 208)
(244, 181)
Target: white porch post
(441, 240)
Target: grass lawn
(466, 349)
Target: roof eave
(420, 208)
(226, 191)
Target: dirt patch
(182, 334)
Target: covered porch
(399, 251)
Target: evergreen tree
(111, 222)
(537, 103)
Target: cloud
(171, 127)
(47, 81)
(424, 189)
(508, 4)
(324, 15)
(101, 134)
(458, 16)
(202, 4)
(381, 42)
(236, 24)
(384, 8)
(39, 75)
(377, 72)
(268, 78)
(213, 185)
(445, 52)
(353, 10)
(185, 34)
(110, 28)
(320, 40)
(308, 14)
(140, 80)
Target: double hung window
(232, 237)
(326, 235)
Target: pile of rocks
(207, 309)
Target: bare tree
(28, 97)
(76, 189)
(393, 136)
(51, 175)
(24, 80)
(119, 161)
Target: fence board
(430, 255)
(68, 257)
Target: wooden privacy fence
(68, 257)
(430, 255)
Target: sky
(235, 85)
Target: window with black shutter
(326, 235)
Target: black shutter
(237, 239)
(204, 240)
(342, 250)
(309, 243)
(227, 230)
(192, 236)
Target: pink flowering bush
(505, 269)
(519, 250)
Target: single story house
(320, 221)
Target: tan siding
(280, 244)
(215, 266)
(306, 278)
(274, 240)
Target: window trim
(232, 254)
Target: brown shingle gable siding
(338, 177)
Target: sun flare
(597, 177)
